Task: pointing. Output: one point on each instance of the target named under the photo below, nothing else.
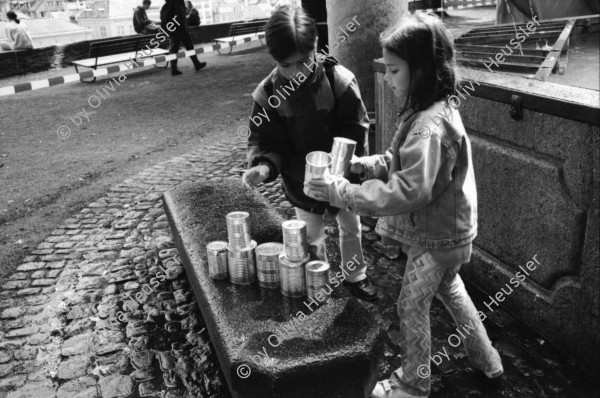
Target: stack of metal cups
(341, 153)
(317, 277)
(293, 260)
(216, 253)
(241, 249)
(267, 264)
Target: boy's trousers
(350, 240)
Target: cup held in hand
(317, 165)
(341, 153)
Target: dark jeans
(176, 40)
(148, 31)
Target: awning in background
(523, 10)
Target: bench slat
(111, 59)
(111, 50)
(232, 38)
(243, 30)
(121, 45)
(246, 27)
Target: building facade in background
(50, 32)
(98, 19)
(47, 21)
(112, 18)
(34, 9)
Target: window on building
(120, 30)
(102, 31)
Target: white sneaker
(494, 374)
(385, 389)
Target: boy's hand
(356, 165)
(254, 176)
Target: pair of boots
(197, 65)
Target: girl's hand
(319, 189)
(254, 176)
(356, 165)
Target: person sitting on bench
(193, 16)
(141, 23)
(17, 34)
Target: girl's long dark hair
(427, 46)
(11, 15)
(288, 31)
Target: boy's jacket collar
(313, 78)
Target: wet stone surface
(112, 315)
(117, 318)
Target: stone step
(269, 345)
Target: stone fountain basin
(269, 345)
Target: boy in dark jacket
(299, 108)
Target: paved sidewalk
(76, 320)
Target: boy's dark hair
(427, 46)
(288, 31)
(11, 15)
(149, 2)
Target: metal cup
(292, 276)
(241, 264)
(317, 164)
(267, 264)
(317, 277)
(295, 241)
(216, 253)
(238, 229)
(342, 152)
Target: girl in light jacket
(423, 191)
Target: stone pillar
(316, 9)
(357, 49)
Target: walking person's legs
(421, 280)
(479, 348)
(189, 45)
(173, 49)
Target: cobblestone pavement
(81, 317)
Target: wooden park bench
(121, 49)
(243, 31)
